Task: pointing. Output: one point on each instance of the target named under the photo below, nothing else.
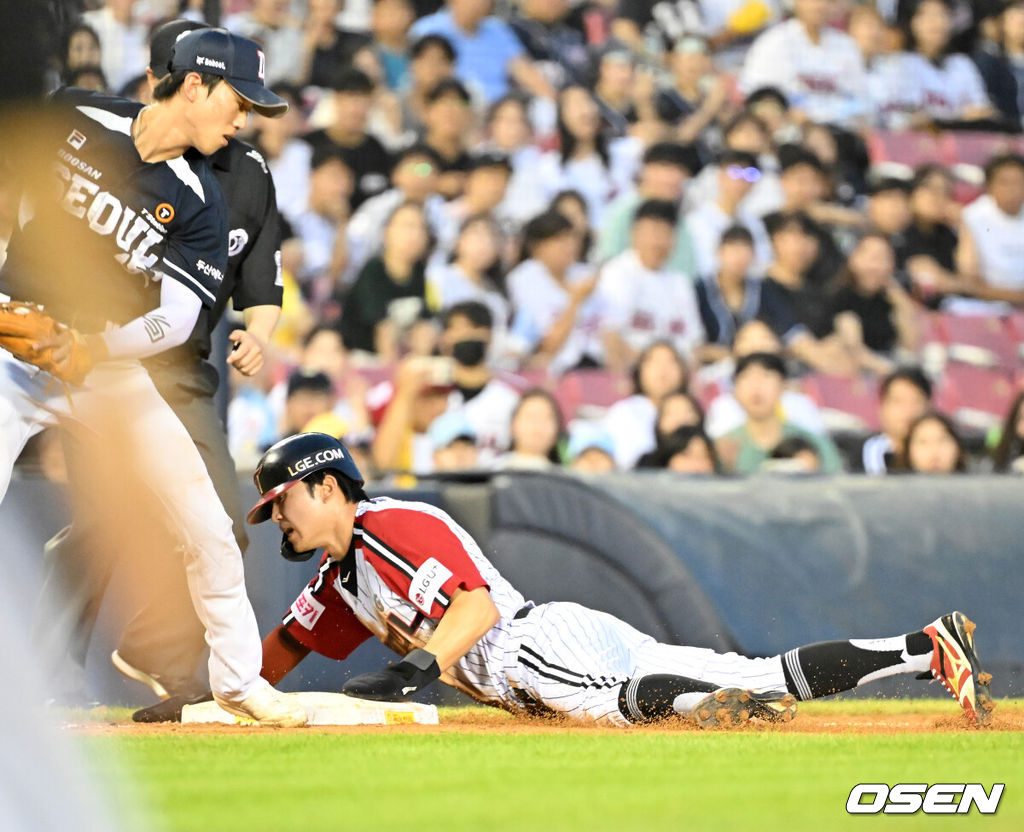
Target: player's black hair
(449, 86)
(766, 94)
(419, 149)
(768, 360)
(473, 311)
(789, 447)
(432, 42)
(554, 454)
(683, 156)
(542, 227)
(739, 158)
(352, 81)
(657, 209)
(736, 234)
(168, 85)
(911, 375)
(350, 489)
(1002, 160)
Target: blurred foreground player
(406, 573)
(163, 641)
(146, 225)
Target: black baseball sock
(654, 697)
(834, 666)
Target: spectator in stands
(310, 393)
(326, 48)
(489, 55)
(745, 133)
(487, 178)
(660, 372)
(472, 273)
(590, 450)
(286, 154)
(509, 132)
(87, 78)
(819, 68)
(686, 450)
(573, 206)
(699, 97)
(664, 172)
(677, 411)
(795, 308)
(537, 430)
(845, 168)
(725, 413)
(737, 174)
(793, 455)
(586, 160)
(321, 227)
(431, 61)
(363, 153)
(1008, 454)
(385, 117)
(641, 299)
(415, 177)
(554, 42)
(994, 64)
(454, 442)
(904, 396)
(759, 382)
(1013, 45)
(482, 399)
(928, 255)
(867, 28)
(270, 23)
(418, 395)
(124, 40)
(872, 313)
(390, 292)
(946, 88)
(556, 319)
(448, 118)
(80, 47)
(933, 446)
(770, 107)
(991, 234)
(889, 212)
(390, 21)
(615, 90)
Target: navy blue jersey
(130, 223)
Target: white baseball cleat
(267, 706)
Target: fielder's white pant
(161, 447)
(574, 660)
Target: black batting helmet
(291, 460)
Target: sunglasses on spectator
(749, 174)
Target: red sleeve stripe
(400, 563)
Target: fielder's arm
(468, 618)
(281, 654)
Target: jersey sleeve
(196, 253)
(260, 282)
(321, 620)
(422, 556)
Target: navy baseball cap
(237, 60)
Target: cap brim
(263, 100)
(261, 512)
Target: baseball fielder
(133, 185)
(406, 573)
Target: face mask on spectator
(470, 352)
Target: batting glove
(397, 682)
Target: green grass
(572, 780)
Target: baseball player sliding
(134, 189)
(406, 573)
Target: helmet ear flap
(288, 552)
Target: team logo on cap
(263, 63)
(164, 212)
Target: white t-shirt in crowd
(826, 80)
(765, 197)
(489, 413)
(283, 46)
(942, 90)
(643, 305)
(365, 231)
(537, 301)
(725, 414)
(999, 240)
(708, 222)
(630, 422)
(448, 285)
(290, 172)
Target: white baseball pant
(574, 660)
(157, 441)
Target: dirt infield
(818, 721)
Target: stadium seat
(981, 340)
(976, 397)
(910, 148)
(588, 393)
(977, 148)
(1015, 330)
(847, 404)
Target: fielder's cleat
(955, 664)
(732, 707)
(773, 706)
(137, 674)
(266, 706)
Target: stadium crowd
(712, 236)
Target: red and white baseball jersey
(396, 581)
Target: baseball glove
(32, 336)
